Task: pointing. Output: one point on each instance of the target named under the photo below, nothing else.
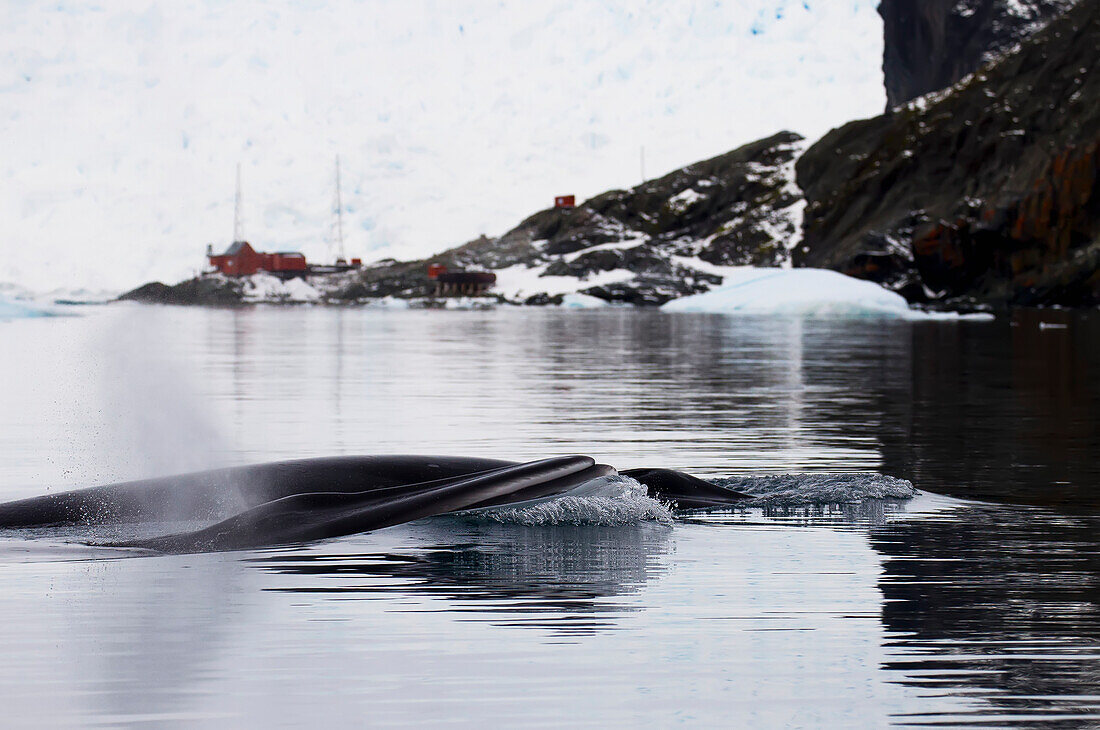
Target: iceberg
(798, 292)
(10, 309)
(576, 300)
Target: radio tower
(238, 217)
(338, 220)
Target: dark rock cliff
(932, 44)
(989, 191)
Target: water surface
(975, 603)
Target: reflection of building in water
(554, 577)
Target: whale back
(219, 493)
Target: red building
(565, 201)
(240, 259)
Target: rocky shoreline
(983, 195)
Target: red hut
(565, 201)
(286, 262)
(240, 259)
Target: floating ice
(800, 292)
(387, 303)
(582, 301)
(13, 309)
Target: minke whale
(314, 499)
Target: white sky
(123, 122)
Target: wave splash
(607, 501)
(790, 490)
(620, 500)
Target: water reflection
(129, 641)
(1000, 605)
(1007, 411)
(988, 613)
(560, 578)
(856, 516)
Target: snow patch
(684, 200)
(582, 301)
(268, 288)
(520, 282)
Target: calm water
(975, 603)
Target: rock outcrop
(933, 44)
(205, 290)
(989, 191)
(666, 238)
(658, 241)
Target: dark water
(975, 607)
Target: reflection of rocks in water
(1002, 412)
(999, 603)
(556, 577)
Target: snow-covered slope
(669, 237)
(122, 122)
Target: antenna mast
(238, 218)
(338, 205)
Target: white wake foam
(818, 489)
(607, 501)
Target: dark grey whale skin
(313, 499)
(223, 492)
(684, 491)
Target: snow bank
(519, 282)
(582, 301)
(800, 292)
(268, 288)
